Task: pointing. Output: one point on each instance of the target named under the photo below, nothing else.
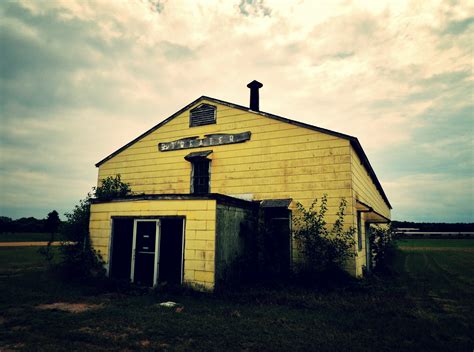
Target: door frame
(157, 249)
(182, 250)
(157, 244)
(368, 249)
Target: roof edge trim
(146, 133)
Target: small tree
(112, 187)
(52, 223)
(322, 249)
(76, 227)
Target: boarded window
(200, 176)
(204, 114)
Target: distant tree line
(50, 224)
(434, 226)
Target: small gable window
(204, 114)
(200, 171)
(200, 176)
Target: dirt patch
(145, 343)
(436, 249)
(113, 296)
(14, 272)
(12, 347)
(29, 244)
(69, 307)
(123, 335)
(110, 335)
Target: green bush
(78, 259)
(383, 248)
(323, 250)
(112, 187)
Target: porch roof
(371, 215)
(220, 198)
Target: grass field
(427, 307)
(26, 237)
(436, 243)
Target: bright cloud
(80, 79)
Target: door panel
(171, 251)
(122, 244)
(278, 241)
(145, 252)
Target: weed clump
(382, 244)
(324, 249)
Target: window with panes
(200, 176)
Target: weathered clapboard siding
(282, 152)
(289, 167)
(327, 157)
(280, 160)
(365, 190)
(147, 178)
(200, 229)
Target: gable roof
(353, 140)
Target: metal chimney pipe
(254, 98)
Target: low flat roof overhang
(276, 203)
(220, 198)
(370, 214)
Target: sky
(79, 79)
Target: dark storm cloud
(38, 65)
(50, 63)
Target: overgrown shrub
(78, 259)
(112, 187)
(323, 250)
(382, 244)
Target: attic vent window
(204, 114)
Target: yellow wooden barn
(199, 177)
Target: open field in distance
(27, 237)
(436, 243)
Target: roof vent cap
(254, 98)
